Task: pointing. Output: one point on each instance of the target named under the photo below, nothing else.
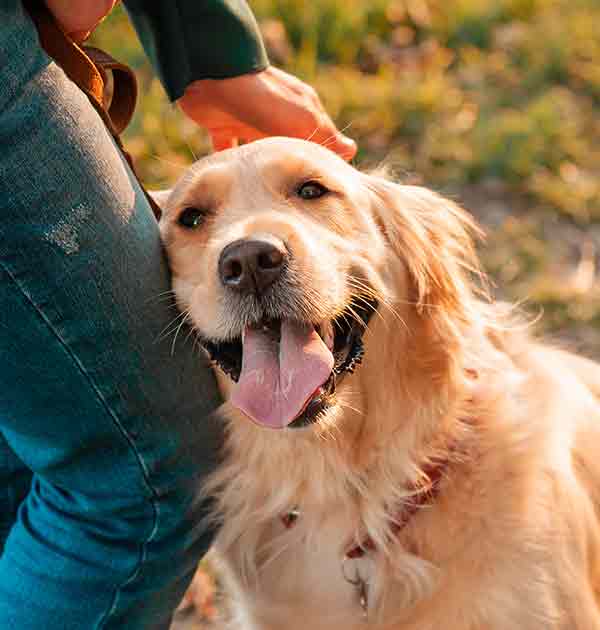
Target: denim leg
(113, 418)
(15, 480)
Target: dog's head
(281, 253)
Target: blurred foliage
(494, 102)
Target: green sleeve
(187, 40)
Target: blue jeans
(106, 424)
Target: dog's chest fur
(303, 585)
(299, 576)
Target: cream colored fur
(512, 539)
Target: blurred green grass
(492, 102)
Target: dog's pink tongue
(279, 378)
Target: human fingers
(269, 103)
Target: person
(106, 419)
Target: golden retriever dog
(400, 454)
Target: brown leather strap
(110, 86)
(120, 87)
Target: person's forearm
(198, 39)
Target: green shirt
(187, 40)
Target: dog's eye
(191, 218)
(312, 190)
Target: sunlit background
(492, 102)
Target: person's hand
(79, 19)
(267, 103)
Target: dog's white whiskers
(191, 332)
(197, 344)
(357, 318)
(166, 299)
(167, 330)
(167, 292)
(183, 321)
(164, 296)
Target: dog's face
(281, 253)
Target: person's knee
(100, 562)
(119, 534)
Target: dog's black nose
(251, 266)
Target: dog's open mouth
(286, 371)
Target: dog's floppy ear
(433, 237)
